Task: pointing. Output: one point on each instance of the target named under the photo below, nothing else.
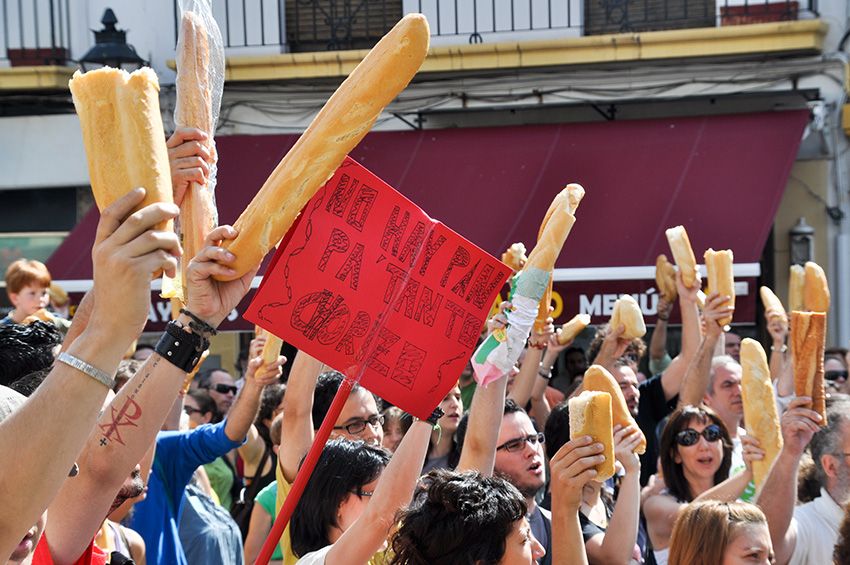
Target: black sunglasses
(690, 436)
(189, 410)
(835, 375)
(224, 389)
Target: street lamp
(111, 48)
(802, 237)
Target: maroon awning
(721, 176)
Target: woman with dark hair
(349, 504)
(199, 407)
(696, 454)
(727, 533)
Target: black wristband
(543, 374)
(435, 416)
(181, 348)
(199, 326)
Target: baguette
(345, 119)
(571, 329)
(796, 282)
(721, 279)
(683, 254)
(590, 415)
(808, 333)
(772, 304)
(271, 349)
(665, 278)
(514, 257)
(815, 289)
(597, 378)
(123, 135)
(760, 416)
(627, 313)
(553, 232)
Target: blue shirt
(178, 454)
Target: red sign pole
(304, 472)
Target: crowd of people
(120, 453)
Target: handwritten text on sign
(369, 284)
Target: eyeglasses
(225, 389)
(189, 410)
(359, 425)
(519, 443)
(835, 375)
(689, 436)
(362, 493)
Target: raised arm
(781, 368)
(527, 376)
(394, 491)
(779, 492)
(658, 342)
(297, 428)
(673, 376)
(59, 416)
(696, 379)
(617, 544)
(129, 425)
(482, 430)
(241, 417)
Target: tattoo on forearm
(129, 412)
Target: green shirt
(266, 499)
(221, 480)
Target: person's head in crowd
(724, 391)
(452, 407)
(127, 368)
(360, 418)
(635, 350)
(715, 533)
(841, 353)
(271, 404)
(829, 446)
(338, 491)
(575, 361)
(9, 402)
(624, 373)
(241, 364)
(733, 346)
(143, 351)
(462, 518)
(808, 486)
(275, 432)
(60, 302)
(221, 386)
(835, 373)
(695, 449)
(519, 451)
(200, 407)
(26, 349)
(27, 281)
(393, 431)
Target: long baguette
(808, 334)
(345, 119)
(123, 135)
(721, 279)
(683, 254)
(590, 415)
(599, 379)
(816, 289)
(665, 278)
(760, 416)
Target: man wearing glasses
(222, 389)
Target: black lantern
(802, 237)
(111, 48)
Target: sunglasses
(189, 410)
(835, 375)
(225, 389)
(689, 436)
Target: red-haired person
(27, 282)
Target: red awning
(721, 176)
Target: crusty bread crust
(344, 120)
(683, 254)
(571, 329)
(590, 415)
(772, 304)
(665, 278)
(760, 415)
(796, 283)
(597, 378)
(808, 335)
(721, 279)
(627, 313)
(815, 290)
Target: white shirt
(316, 557)
(738, 463)
(817, 530)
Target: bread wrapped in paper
(683, 254)
(627, 313)
(590, 415)
(597, 378)
(344, 120)
(123, 135)
(760, 416)
(665, 278)
(553, 232)
(808, 335)
(721, 279)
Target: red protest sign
(370, 285)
